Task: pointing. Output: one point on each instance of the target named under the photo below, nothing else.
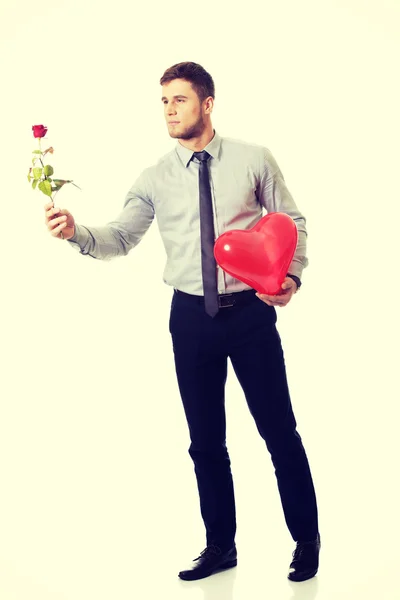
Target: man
(205, 186)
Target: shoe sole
(228, 565)
(310, 576)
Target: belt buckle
(226, 300)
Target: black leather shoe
(210, 561)
(305, 560)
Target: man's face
(182, 110)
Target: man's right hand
(59, 221)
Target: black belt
(224, 300)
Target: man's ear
(209, 105)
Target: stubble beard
(191, 132)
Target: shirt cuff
(80, 239)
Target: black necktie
(208, 263)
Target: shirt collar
(213, 149)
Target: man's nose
(171, 110)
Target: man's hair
(201, 81)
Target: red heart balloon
(261, 256)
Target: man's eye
(178, 100)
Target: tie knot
(202, 156)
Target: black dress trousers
(246, 333)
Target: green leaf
(48, 170)
(49, 179)
(37, 172)
(59, 183)
(34, 160)
(34, 183)
(36, 152)
(29, 177)
(45, 187)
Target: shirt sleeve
(118, 237)
(274, 196)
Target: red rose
(39, 131)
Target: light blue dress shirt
(244, 178)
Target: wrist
(295, 279)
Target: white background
(98, 495)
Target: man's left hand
(289, 287)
